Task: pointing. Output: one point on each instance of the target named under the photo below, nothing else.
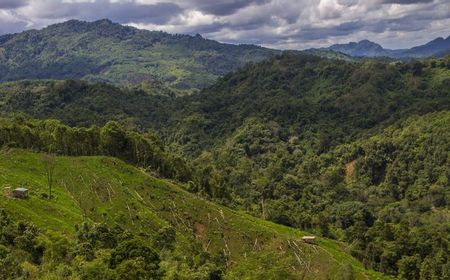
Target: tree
(134, 255)
(96, 270)
(49, 162)
(113, 140)
(165, 238)
(9, 266)
(134, 269)
(409, 267)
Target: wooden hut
(20, 193)
(309, 239)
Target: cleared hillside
(104, 190)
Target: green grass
(106, 190)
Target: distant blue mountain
(366, 48)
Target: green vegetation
(109, 220)
(335, 148)
(77, 103)
(103, 51)
(51, 136)
(109, 52)
(352, 151)
(320, 102)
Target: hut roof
(308, 237)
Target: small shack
(20, 193)
(309, 239)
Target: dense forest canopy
(322, 102)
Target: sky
(282, 24)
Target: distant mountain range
(365, 48)
(158, 62)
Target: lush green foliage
(103, 51)
(276, 132)
(387, 195)
(77, 103)
(319, 102)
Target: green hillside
(323, 102)
(78, 103)
(107, 194)
(109, 52)
(279, 138)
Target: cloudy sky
(286, 24)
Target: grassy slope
(109, 190)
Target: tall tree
(49, 163)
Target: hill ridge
(367, 48)
(76, 49)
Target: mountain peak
(76, 25)
(361, 48)
(103, 21)
(102, 28)
(77, 49)
(438, 40)
(438, 46)
(366, 42)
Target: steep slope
(387, 195)
(105, 51)
(318, 101)
(365, 48)
(438, 46)
(106, 191)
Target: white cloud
(274, 23)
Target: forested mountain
(435, 48)
(110, 52)
(354, 151)
(324, 102)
